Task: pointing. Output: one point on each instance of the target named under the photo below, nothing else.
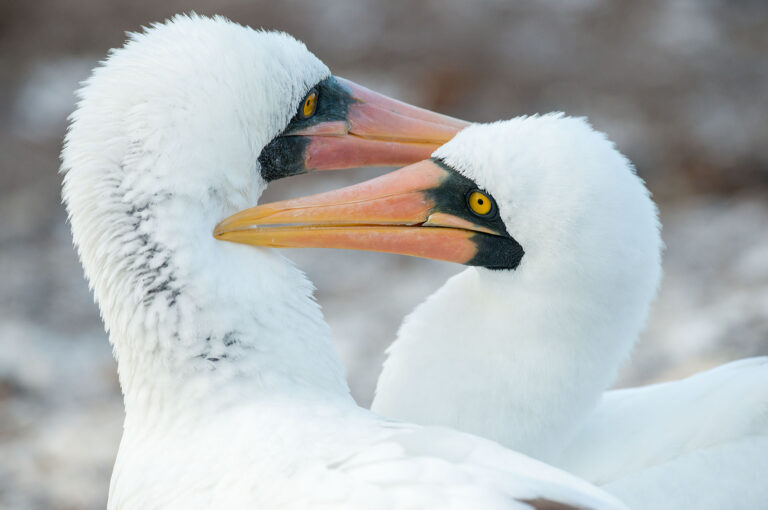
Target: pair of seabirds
(233, 394)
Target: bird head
(544, 195)
(186, 124)
(203, 106)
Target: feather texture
(234, 396)
(524, 357)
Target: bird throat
(490, 355)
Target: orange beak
(420, 210)
(356, 127)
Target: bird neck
(511, 357)
(198, 324)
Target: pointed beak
(365, 129)
(412, 211)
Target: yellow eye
(480, 203)
(310, 105)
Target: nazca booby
(522, 348)
(234, 396)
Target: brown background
(681, 86)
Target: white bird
(522, 348)
(234, 396)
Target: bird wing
(727, 475)
(430, 467)
(636, 429)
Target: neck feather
(516, 359)
(195, 322)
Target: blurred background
(680, 85)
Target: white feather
(524, 356)
(234, 396)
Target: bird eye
(480, 203)
(309, 105)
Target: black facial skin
(284, 155)
(493, 251)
